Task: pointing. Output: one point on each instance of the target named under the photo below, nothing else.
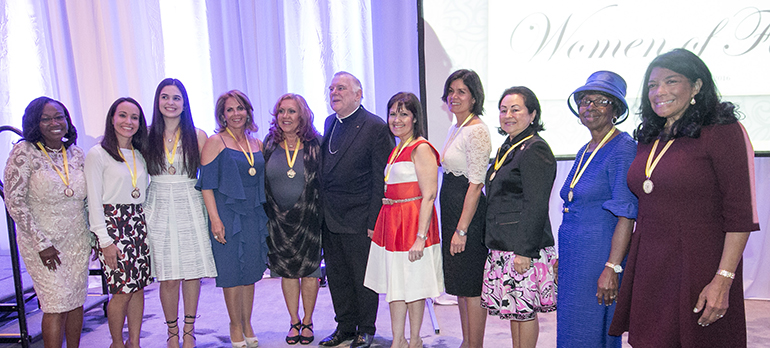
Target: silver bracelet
(725, 273)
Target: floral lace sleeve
(477, 149)
(18, 170)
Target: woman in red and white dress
(405, 254)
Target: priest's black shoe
(362, 340)
(336, 338)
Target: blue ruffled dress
(239, 197)
(585, 240)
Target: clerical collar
(343, 118)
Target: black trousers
(355, 306)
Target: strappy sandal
(305, 340)
(294, 339)
(172, 324)
(187, 321)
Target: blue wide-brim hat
(606, 82)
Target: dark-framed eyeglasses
(599, 103)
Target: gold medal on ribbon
(249, 155)
(172, 156)
(65, 178)
(290, 160)
(134, 173)
(647, 185)
(582, 168)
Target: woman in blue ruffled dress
(599, 212)
(232, 180)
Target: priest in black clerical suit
(355, 151)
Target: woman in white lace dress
(176, 217)
(45, 191)
(464, 161)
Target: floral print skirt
(127, 227)
(514, 296)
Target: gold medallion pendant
(252, 171)
(291, 173)
(171, 170)
(69, 192)
(135, 193)
(647, 186)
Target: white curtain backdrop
(87, 53)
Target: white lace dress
(45, 217)
(177, 226)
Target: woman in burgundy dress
(693, 174)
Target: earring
(692, 101)
(224, 122)
(614, 120)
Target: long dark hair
(30, 122)
(155, 154)
(708, 108)
(110, 140)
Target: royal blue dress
(239, 197)
(585, 240)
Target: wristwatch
(616, 268)
(461, 233)
(422, 236)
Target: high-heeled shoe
(294, 339)
(241, 344)
(252, 342)
(172, 324)
(305, 340)
(189, 320)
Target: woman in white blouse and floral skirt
(116, 177)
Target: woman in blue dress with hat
(599, 212)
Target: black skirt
(463, 272)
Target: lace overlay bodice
(45, 217)
(468, 154)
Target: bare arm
(470, 204)
(211, 149)
(202, 137)
(714, 298)
(608, 284)
(426, 166)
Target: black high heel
(305, 340)
(294, 339)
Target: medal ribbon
(249, 155)
(171, 156)
(395, 154)
(454, 135)
(65, 178)
(293, 158)
(580, 170)
(499, 161)
(650, 165)
(134, 173)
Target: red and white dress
(389, 270)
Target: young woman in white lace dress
(176, 216)
(45, 191)
(464, 160)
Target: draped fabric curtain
(87, 53)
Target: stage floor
(271, 322)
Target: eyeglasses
(599, 103)
(47, 120)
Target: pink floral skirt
(514, 296)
